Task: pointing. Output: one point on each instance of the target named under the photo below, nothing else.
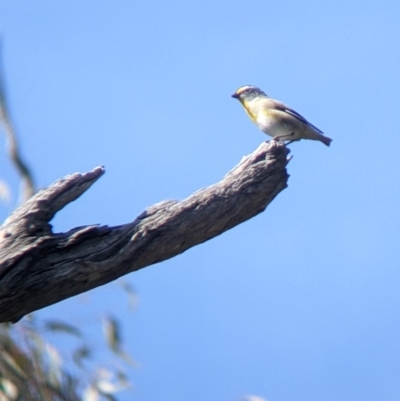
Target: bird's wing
(295, 114)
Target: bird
(276, 119)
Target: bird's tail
(325, 140)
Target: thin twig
(27, 184)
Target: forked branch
(39, 268)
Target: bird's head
(247, 93)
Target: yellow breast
(250, 110)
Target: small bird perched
(275, 118)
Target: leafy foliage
(32, 369)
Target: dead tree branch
(39, 268)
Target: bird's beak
(235, 95)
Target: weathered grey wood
(39, 268)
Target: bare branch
(28, 186)
(39, 268)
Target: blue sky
(300, 303)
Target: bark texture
(39, 268)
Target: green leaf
(80, 354)
(133, 299)
(112, 334)
(58, 326)
(9, 389)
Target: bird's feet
(293, 140)
(286, 138)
